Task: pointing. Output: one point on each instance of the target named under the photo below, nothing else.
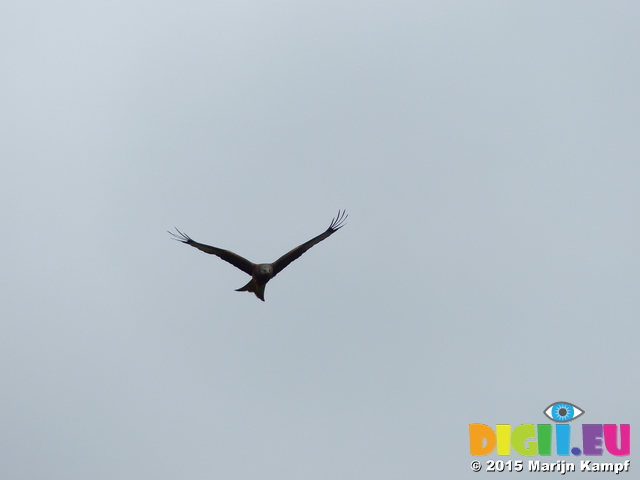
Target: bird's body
(261, 273)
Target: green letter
(520, 435)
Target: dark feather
(336, 224)
(226, 255)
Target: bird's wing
(336, 224)
(233, 258)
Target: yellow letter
(504, 439)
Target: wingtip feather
(339, 221)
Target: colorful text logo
(531, 440)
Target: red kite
(261, 273)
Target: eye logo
(563, 412)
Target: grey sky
(486, 152)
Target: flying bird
(261, 273)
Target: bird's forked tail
(254, 287)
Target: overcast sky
(487, 154)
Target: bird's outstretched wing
(336, 224)
(233, 258)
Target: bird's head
(265, 269)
